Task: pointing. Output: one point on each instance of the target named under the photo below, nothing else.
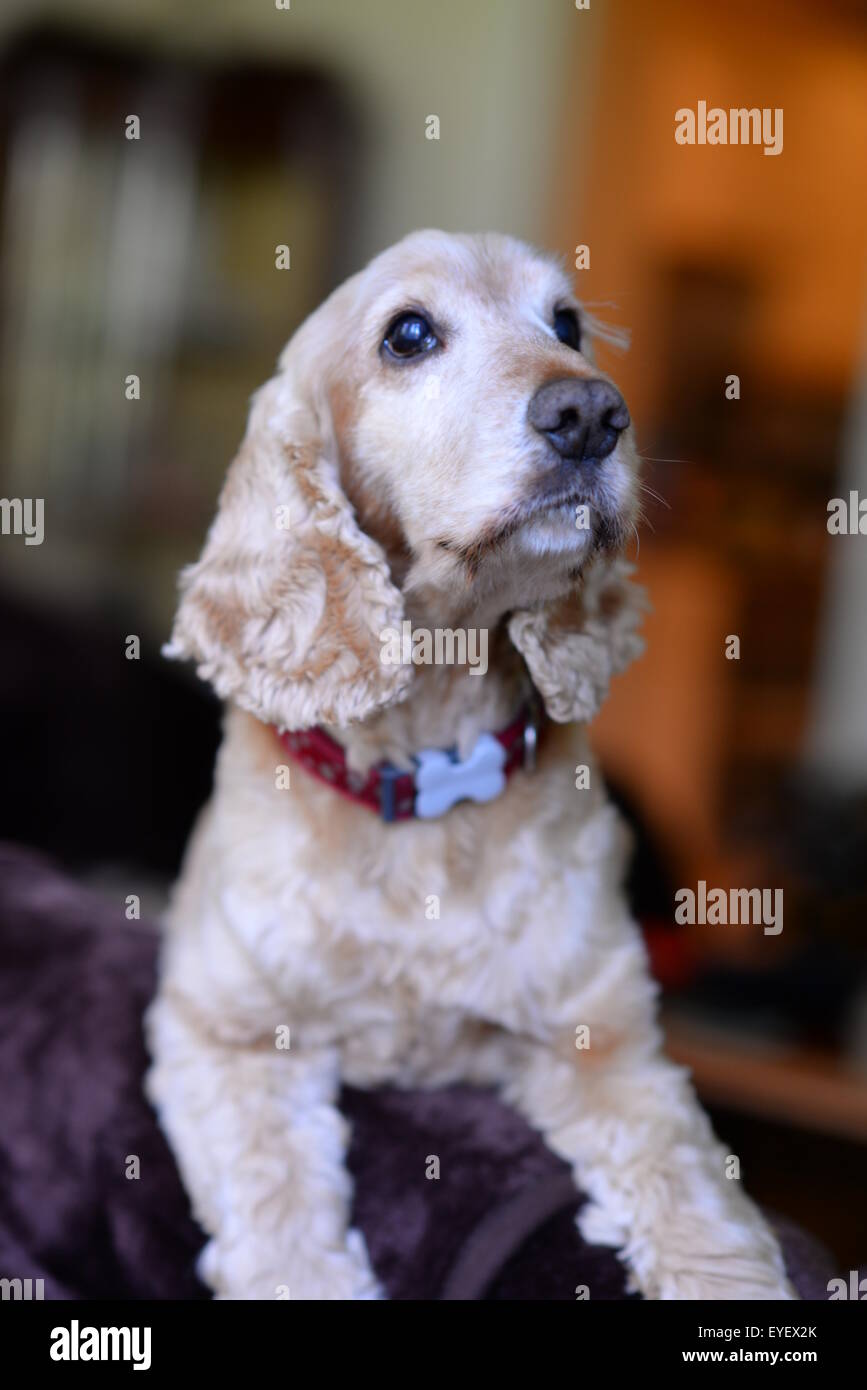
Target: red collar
(439, 779)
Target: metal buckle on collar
(531, 733)
(388, 776)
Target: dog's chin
(563, 518)
(567, 529)
(553, 531)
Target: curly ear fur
(574, 645)
(283, 610)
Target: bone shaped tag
(441, 780)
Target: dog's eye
(410, 335)
(567, 328)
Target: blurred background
(306, 127)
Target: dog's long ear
(284, 609)
(575, 644)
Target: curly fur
(414, 490)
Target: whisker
(657, 496)
(648, 458)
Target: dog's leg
(627, 1121)
(261, 1147)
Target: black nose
(582, 418)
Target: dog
(398, 879)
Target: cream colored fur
(412, 491)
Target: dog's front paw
(243, 1271)
(686, 1259)
(718, 1277)
(710, 1287)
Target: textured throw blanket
(75, 977)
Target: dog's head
(438, 442)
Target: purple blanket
(75, 977)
